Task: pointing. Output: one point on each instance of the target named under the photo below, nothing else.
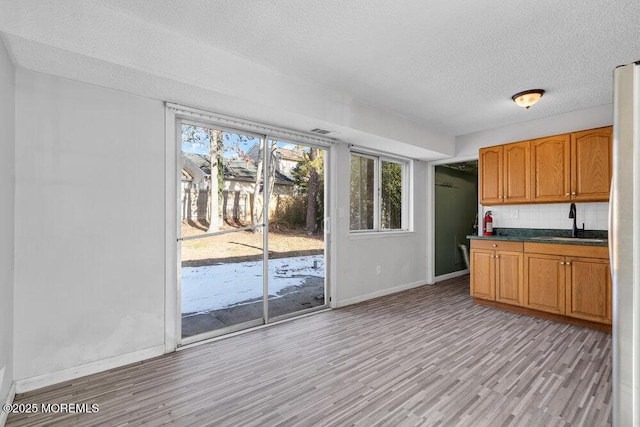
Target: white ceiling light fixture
(527, 98)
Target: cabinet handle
(497, 256)
(573, 193)
(495, 246)
(561, 262)
(568, 263)
(567, 195)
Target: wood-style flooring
(427, 356)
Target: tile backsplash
(595, 216)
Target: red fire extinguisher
(487, 224)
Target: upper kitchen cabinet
(490, 175)
(591, 169)
(551, 169)
(516, 177)
(504, 174)
(560, 168)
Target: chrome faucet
(572, 214)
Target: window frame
(406, 202)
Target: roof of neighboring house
(200, 160)
(287, 154)
(238, 170)
(284, 153)
(193, 170)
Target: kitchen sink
(569, 239)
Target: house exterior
(286, 160)
(237, 192)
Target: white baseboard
(377, 294)
(9, 401)
(34, 383)
(451, 275)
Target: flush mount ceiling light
(527, 98)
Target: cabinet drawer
(567, 250)
(497, 245)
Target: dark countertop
(538, 236)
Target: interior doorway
(251, 243)
(456, 214)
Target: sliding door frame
(246, 324)
(175, 115)
(326, 249)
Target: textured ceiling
(449, 64)
(446, 65)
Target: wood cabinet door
(517, 173)
(550, 169)
(510, 277)
(490, 175)
(592, 164)
(588, 291)
(483, 274)
(544, 282)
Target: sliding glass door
(296, 234)
(221, 248)
(240, 193)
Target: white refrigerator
(624, 245)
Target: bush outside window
(378, 193)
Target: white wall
(402, 258)
(7, 162)
(562, 123)
(89, 230)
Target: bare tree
(312, 195)
(309, 180)
(211, 139)
(257, 212)
(215, 154)
(256, 188)
(272, 168)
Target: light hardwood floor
(427, 356)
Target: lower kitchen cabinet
(571, 280)
(545, 283)
(588, 293)
(509, 277)
(566, 281)
(483, 274)
(496, 272)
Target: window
(378, 193)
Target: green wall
(456, 205)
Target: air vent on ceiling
(320, 131)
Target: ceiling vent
(320, 131)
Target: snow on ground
(214, 287)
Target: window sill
(380, 234)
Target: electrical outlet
(514, 213)
(378, 269)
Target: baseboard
(9, 401)
(451, 275)
(377, 294)
(40, 381)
